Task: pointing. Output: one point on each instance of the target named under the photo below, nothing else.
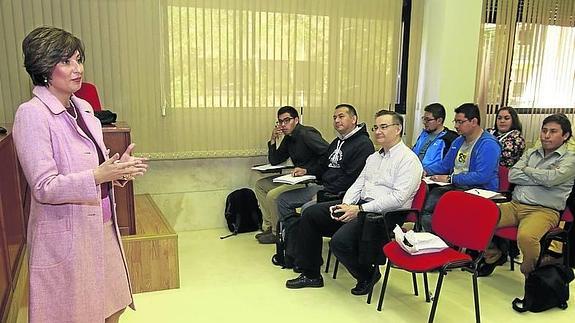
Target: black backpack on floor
(286, 243)
(242, 212)
(545, 288)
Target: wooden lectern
(117, 139)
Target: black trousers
(317, 223)
(345, 245)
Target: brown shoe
(269, 238)
(268, 231)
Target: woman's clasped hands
(124, 168)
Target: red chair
(462, 220)
(89, 93)
(504, 184)
(557, 234)
(412, 216)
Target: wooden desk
(15, 205)
(12, 230)
(117, 139)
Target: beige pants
(267, 193)
(532, 222)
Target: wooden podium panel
(12, 230)
(117, 139)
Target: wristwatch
(449, 178)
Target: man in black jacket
(304, 145)
(338, 168)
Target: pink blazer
(65, 230)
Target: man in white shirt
(389, 181)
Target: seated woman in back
(507, 130)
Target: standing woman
(77, 268)
(507, 130)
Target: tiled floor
(233, 280)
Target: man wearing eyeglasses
(543, 179)
(435, 139)
(388, 181)
(471, 162)
(305, 146)
(337, 170)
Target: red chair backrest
(418, 201)
(504, 184)
(465, 220)
(567, 215)
(89, 93)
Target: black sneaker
(268, 238)
(268, 231)
(363, 287)
(302, 281)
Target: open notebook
(287, 164)
(485, 193)
(289, 179)
(428, 180)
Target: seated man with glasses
(337, 170)
(305, 146)
(388, 181)
(435, 139)
(471, 162)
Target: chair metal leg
(512, 262)
(372, 277)
(383, 286)
(414, 279)
(565, 252)
(335, 266)
(436, 297)
(328, 260)
(426, 287)
(476, 298)
(368, 301)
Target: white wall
(449, 52)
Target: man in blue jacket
(471, 162)
(435, 139)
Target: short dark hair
(396, 117)
(470, 110)
(562, 120)
(515, 122)
(437, 110)
(288, 109)
(44, 47)
(349, 107)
